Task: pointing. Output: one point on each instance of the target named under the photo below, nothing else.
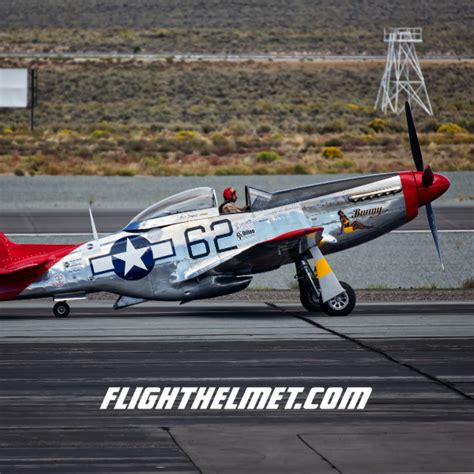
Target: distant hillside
(202, 118)
(329, 26)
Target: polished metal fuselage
(206, 257)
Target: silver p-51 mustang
(183, 249)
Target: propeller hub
(429, 192)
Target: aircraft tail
(22, 264)
(18, 257)
(4, 249)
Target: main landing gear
(61, 309)
(310, 293)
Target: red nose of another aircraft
(429, 191)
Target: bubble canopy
(185, 204)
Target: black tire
(309, 299)
(61, 309)
(342, 304)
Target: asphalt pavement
(417, 357)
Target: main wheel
(309, 299)
(61, 309)
(342, 304)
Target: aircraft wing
(247, 257)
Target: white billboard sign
(14, 88)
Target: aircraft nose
(432, 191)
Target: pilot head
(230, 195)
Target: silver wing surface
(254, 258)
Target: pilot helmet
(229, 193)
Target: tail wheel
(61, 309)
(342, 304)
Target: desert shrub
(332, 152)
(344, 164)
(98, 134)
(84, 152)
(186, 135)
(264, 128)
(125, 172)
(218, 139)
(377, 125)
(261, 170)
(52, 169)
(267, 156)
(164, 145)
(334, 126)
(65, 133)
(428, 125)
(208, 127)
(153, 164)
(239, 128)
(233, 171)
(222, 146)
(385, 140)
(354, 107)
(451, 128)
(135, 146)
(19, 172)
(300, 168)
(277, 137)
(310, 144)
(333, 142)
(34, 164)
(307, 127)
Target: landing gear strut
(310, 294)
(61, 309)
(309, 287)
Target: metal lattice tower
(402, 79)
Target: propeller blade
(434, 231)
(427, 177)
(414, 143)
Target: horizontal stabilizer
(21, 267)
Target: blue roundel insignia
(132, 257)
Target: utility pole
(33, 94)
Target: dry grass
(103, 118)
(141, 151)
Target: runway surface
(55, 372)
(110, 220)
